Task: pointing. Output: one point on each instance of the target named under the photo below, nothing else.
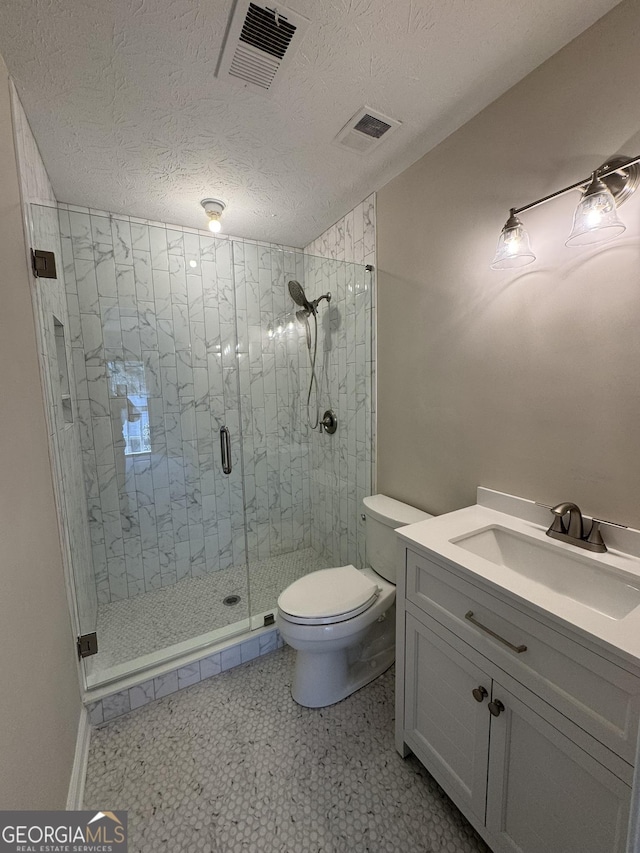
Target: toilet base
(324, 679)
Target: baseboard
(79, 769)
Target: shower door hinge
(87, 645)
(43, 263)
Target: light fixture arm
(604, 171)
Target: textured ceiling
(129, 116)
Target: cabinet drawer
(595, 693)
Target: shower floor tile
(155, 620)
(233, 765)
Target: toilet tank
(383, 516)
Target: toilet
(341, 621)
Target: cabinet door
(446, 727)
(545, 794)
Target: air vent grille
(372, 126)
(365, 131)
(253, 68)
(259, 43)
(266, 30)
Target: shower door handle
(225, 449)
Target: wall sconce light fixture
(595, 220)
(214, 208)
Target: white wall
(39, 699)
(524, 381)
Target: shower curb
(138, 695)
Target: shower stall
(192, 485)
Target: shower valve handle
(329, 422)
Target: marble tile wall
(273, 372)
(352, 238)
(343, 465)
(169, 328)
(49, 302)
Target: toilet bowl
(341, 621)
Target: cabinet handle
(479, 693)
(519, 649)
(495, 707)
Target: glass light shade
(596, 218)
(513, 249)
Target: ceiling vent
(366, 130)
(259, 43)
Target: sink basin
(576, 576)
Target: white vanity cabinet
(531, 731)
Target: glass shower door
(274, 437)
(55, 336)
(155, 377)
(304, 511)
(193, 490)
(303, 486)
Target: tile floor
(233, 765)
(150, 622)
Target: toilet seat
(327, 596)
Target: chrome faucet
(574, 533)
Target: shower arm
(316, 302)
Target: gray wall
(39, 699)
(524, 381)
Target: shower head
(296, 291)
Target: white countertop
(436, 534)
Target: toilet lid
(328, 592)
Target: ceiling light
(214, 208)
(596, 218)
